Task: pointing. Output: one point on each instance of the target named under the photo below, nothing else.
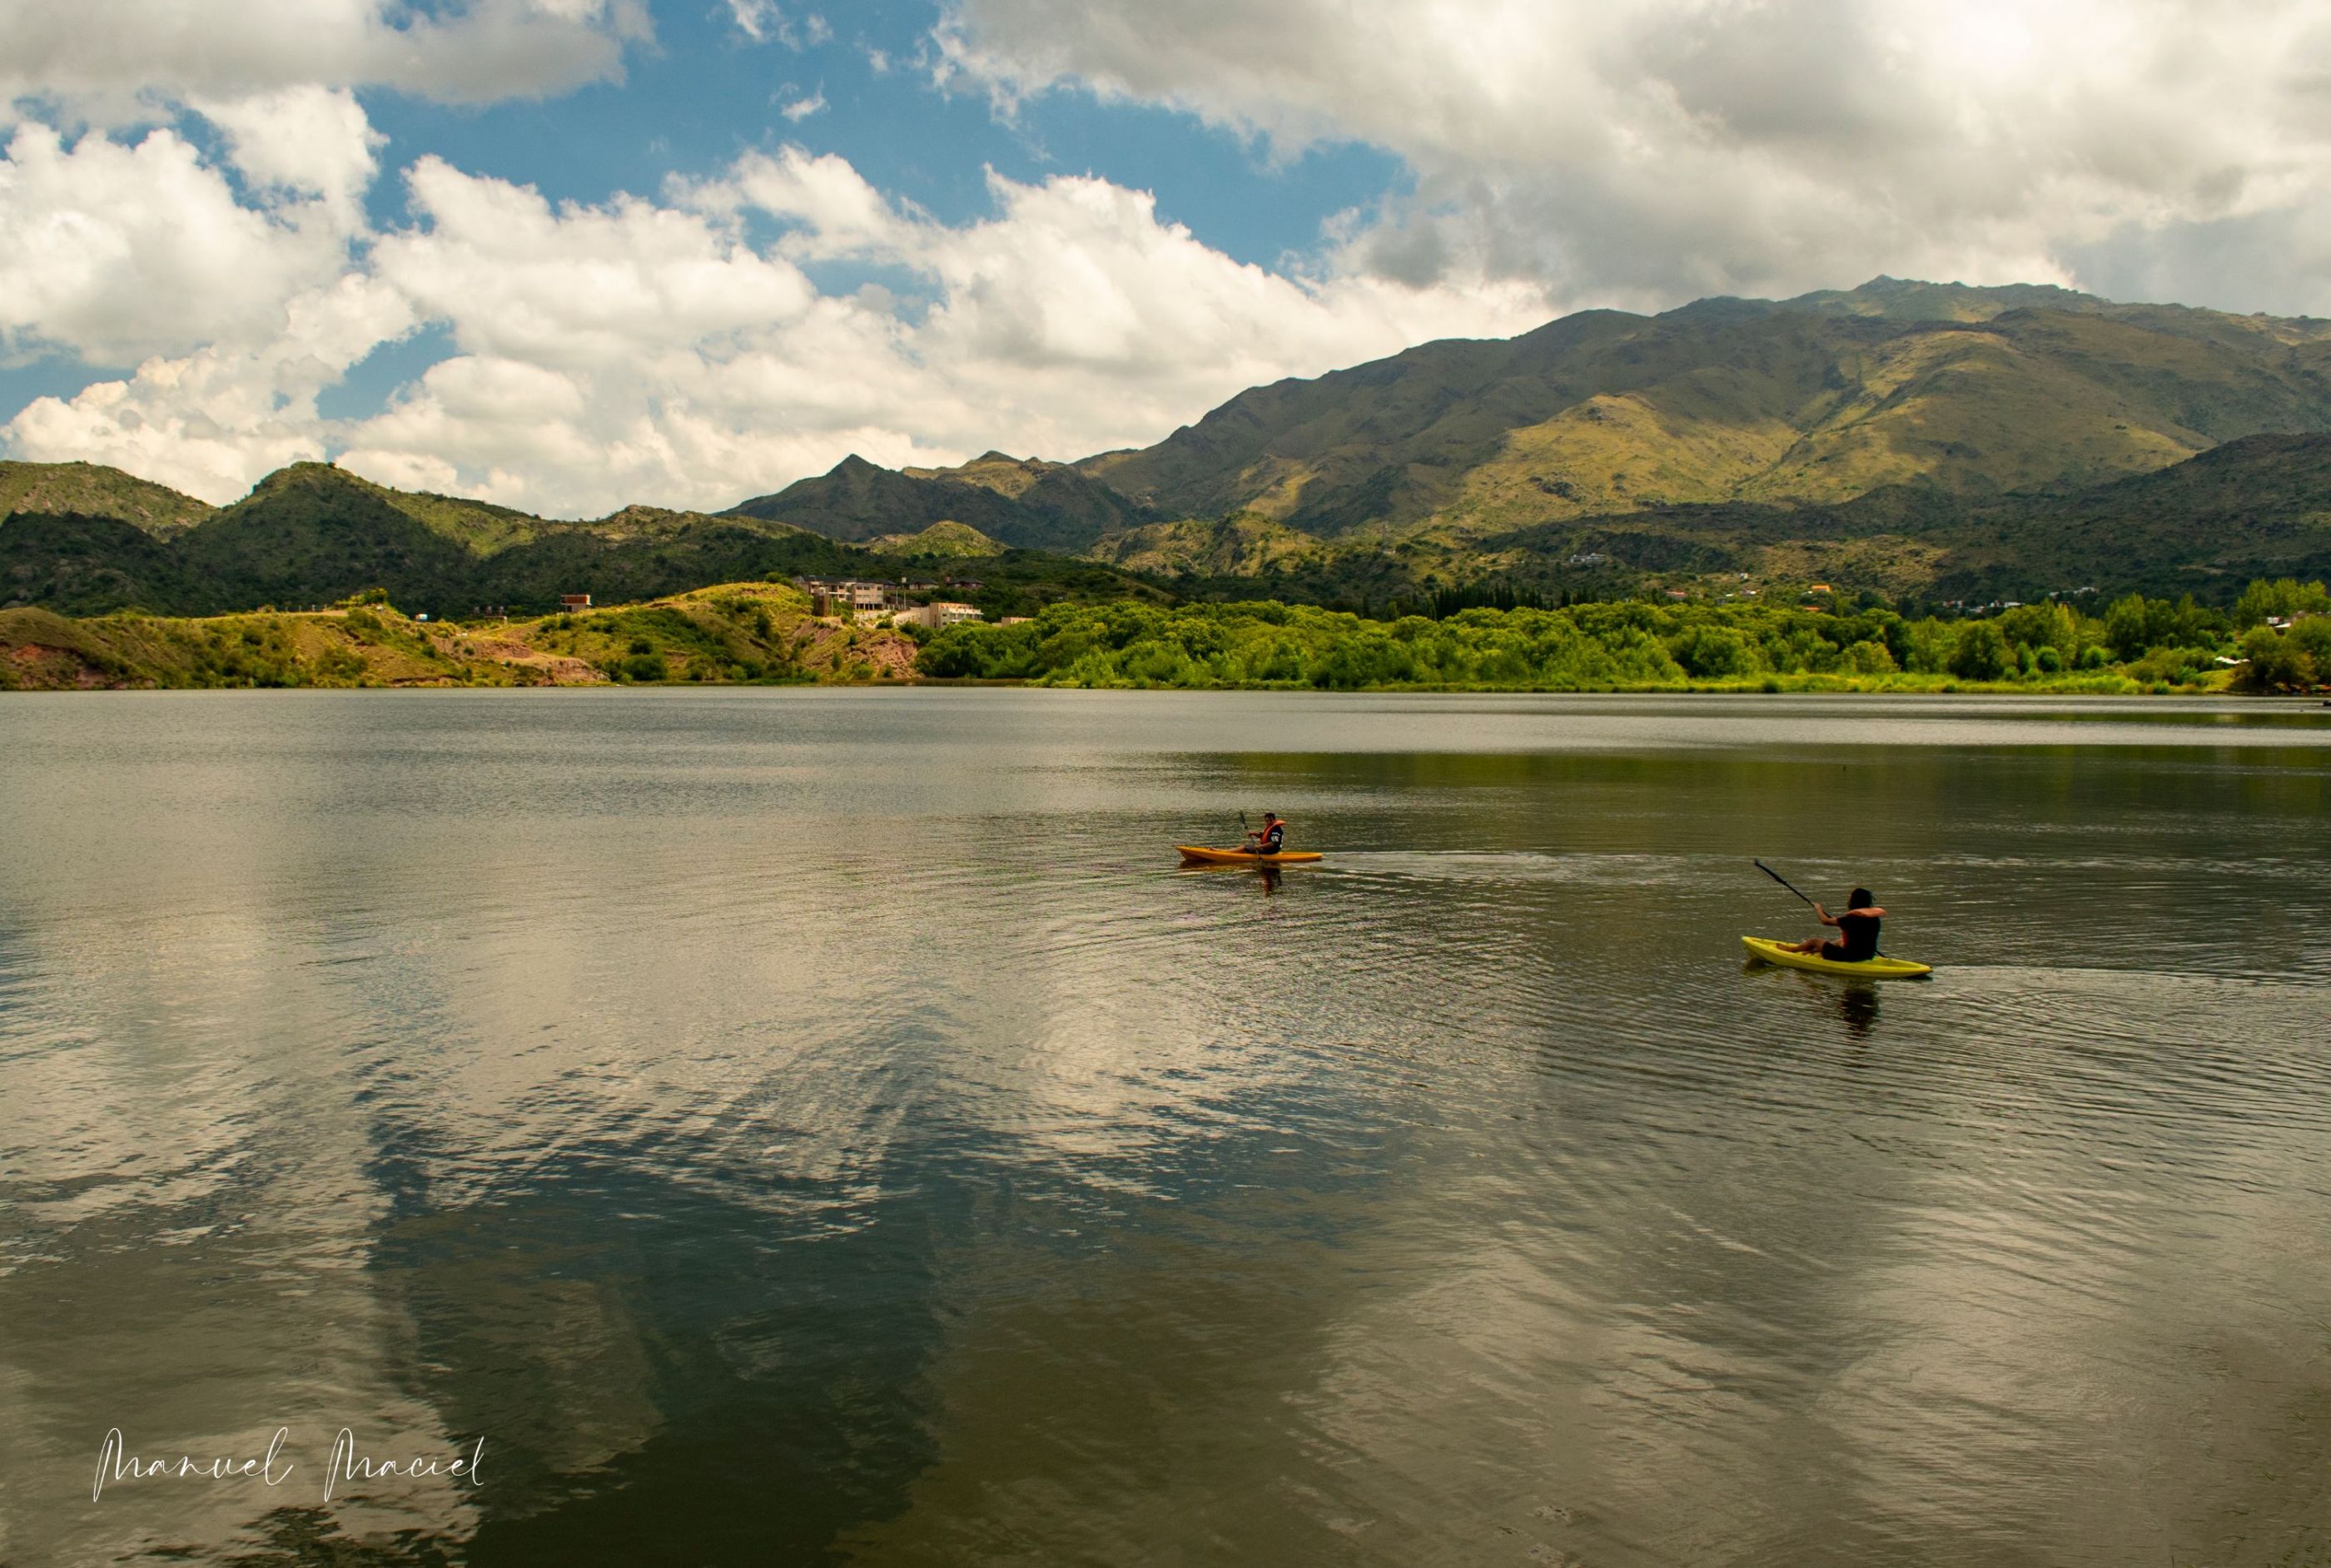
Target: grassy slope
(80, 565)
(1726, 399)
(313, 534)
(2260, 506)
(94, 491)
(735, 632)
(949, 541)
(1246, 544)
(1030, 506)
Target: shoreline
(2130, 692)
(764, 634)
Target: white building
(941, 613)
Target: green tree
(2278, 661)
(1982, 653)
(1869, 658)
(2282, 597)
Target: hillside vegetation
(759, 632)
(312, 534)
(94, 491)
(2138, 646)
(1972, 391)
(946, 540)
(1032, 505)
(1937, 445)
(738, 631)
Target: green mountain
(1975, 391)
(1932, 441)
(944, 541)
(2257, 506)
(312, 534)
(1038, 506)
(94, 491)
(1243, 545)
(82, 565)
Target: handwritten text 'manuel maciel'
(115, 1462)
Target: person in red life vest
(1858, 926)
(1270, 837)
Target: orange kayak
(1199, 855)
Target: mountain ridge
(313, 534)
(1910, 437)
(1801, 402)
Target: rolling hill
(1975, 391)
(313, 534)
(94, 491)
(1922, 440)
(1032, 504)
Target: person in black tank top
(1272, 838)
(1858, 926)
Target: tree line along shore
(2276, 637)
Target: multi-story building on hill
(833, 596)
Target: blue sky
(705, 91)
(567, 254)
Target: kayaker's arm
(1826, 917)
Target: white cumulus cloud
(120, 250)
(109, 59)
(657, 350)
(1648, 151)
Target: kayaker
(1272, 838)
(1859, 926)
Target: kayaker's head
(1271, 816)
(1863, 898)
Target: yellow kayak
(1773, 951)
(1197, 854)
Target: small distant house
(575, 601)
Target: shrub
(648, 667)
(2174, 666)
(2312, 637)
(1982, 653)
(1869, 659)
(2286, 596)
(2277, 661)
(1930, 646)
(1713, 652)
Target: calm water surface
(794, 1126)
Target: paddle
(1772, 873)
(1809, 903)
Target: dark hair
(1863, 898)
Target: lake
(793, 1125)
